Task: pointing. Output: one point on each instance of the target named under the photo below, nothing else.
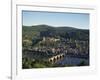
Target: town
(52, 49)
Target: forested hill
(50, 31)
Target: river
(74, 61)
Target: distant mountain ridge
(63, 31)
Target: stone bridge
(56, 58)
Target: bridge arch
(56, 58)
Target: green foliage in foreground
(82, 63)
(28, 64)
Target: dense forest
(45, 30)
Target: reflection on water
(68, 60)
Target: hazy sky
(77, 20)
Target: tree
(82, 63)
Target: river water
(68, 60)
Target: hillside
(45, 30)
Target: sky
(56, 19)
